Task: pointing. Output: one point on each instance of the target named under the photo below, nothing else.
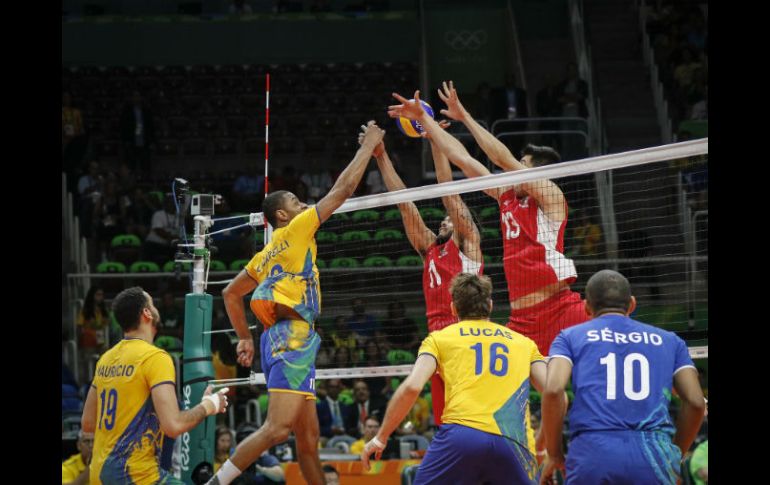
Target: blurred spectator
(685, 69)
(699, 464)
(137, 129)
(416, 421)
(342, 336)
(374, 357)
(138, 212)
(587, 235)
(318, 183)
(331, 475)
(89, 190)
(510, 100)
(223, 437)
(171, 316)
(332, 414)
(93, 323)
(374, 183)
(364, 405)
(401, 332)
(342, 357)
(73, 137)
(361, 322)
(164, 228)
(74, 470)
(236, 243)
(247, 192)
(371, 427)
(239, 7)
(572, 93)
(108, 215)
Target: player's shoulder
(667, 335)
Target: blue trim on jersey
(164, 382)
(145, 424)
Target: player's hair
(471, 295)
(127, 307)
(330, 469)
(608, 290)
(541, 155)
(271, 204)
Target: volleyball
(411, 128)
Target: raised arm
(456, 208)
(446, 143)
(418, 233)
(548, 194)
(350, 177)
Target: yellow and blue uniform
(71, 468)
(485, 368)
(287, 275)
(128, 438)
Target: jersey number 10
(628, 376)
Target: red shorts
(543, 322)
(437, 397)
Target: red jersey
(533, 247)
(442, 263)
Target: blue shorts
(288, 352)
(623, 457)
(462, 455)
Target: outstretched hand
(378, 150)
(444, 124)
(409, 109)
(455, 109)
(371, 136)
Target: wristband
(378, 443)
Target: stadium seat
(356, 236)
(70, 399)
(366, 216)
(431, 214)
(320, 263)
(388, 235)
(111, 267)
(125, 240)
(400, 357)
(392, 215)
(491, 259)
(326, 237)
(216, 265)
(377, 261)
(238, 264)
(170, 267)
(339, 217)
(144, 267)
(125, 248)
(488, 213)
(409, 261)
(490, 233)
(344, 263)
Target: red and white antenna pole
(268, 229)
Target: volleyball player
(132, 403)
(622, 374)
(533, 218)
(487, 370)
(287, 300)
(455, 249)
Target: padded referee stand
(198, 443)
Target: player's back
(128, 439)
(622, 374)
(486, 369)
(286, 271)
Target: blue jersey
(622, 374)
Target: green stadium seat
(344, 263)
(366, 216)
(123, 240)
(356, 236)
(238, 264)
(432, 214)
(392, 215)
(320, 263)
(491, 259)
(111, 267)
(388, 234)
(259, 236)
(400, 357)
(158, 195)
(326, 237)
(409, 261)
(216, 265)
(490, 233)
(488, 213)
(377, 261)
(144, 267)
(170, 267)
(340, 217)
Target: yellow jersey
(485, 368)
(128, 439)
(72, 468)
(286, 272)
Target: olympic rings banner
(468, 44)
